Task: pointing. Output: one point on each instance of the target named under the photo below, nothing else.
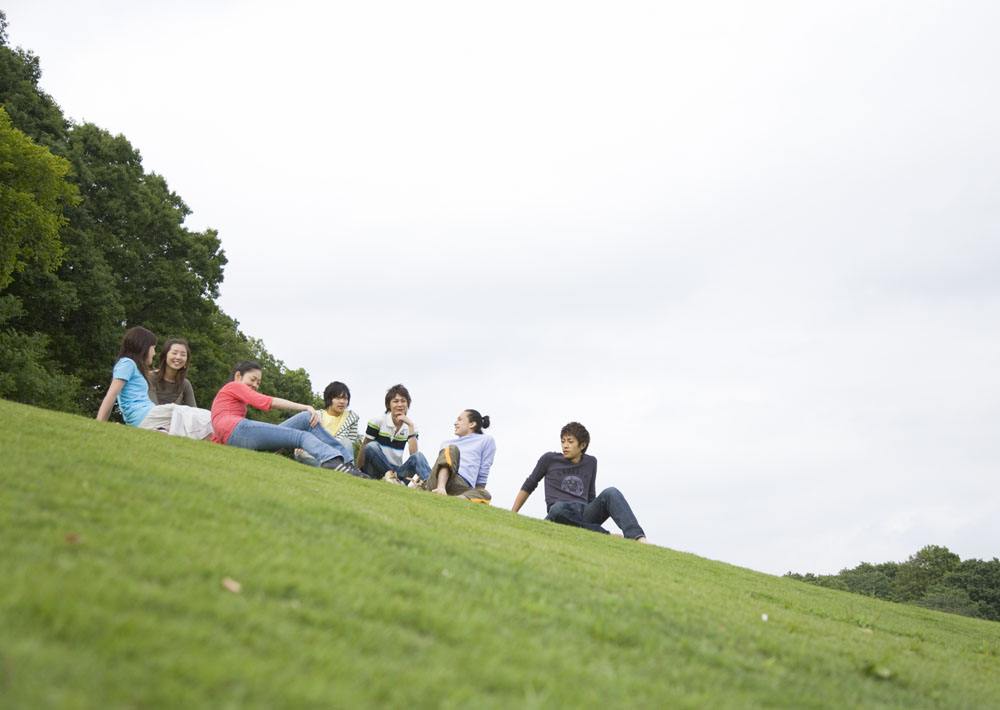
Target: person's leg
(158, 418)
(612, 504)
(301, 422)
(190, 422)
(376, 464)
(261, 436)
(566, 513)
(457, 485)
(416, 464)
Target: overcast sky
(753, 247)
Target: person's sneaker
(415, 482)
(391, 477)
(337, 463)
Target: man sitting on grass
(387, 438)
(569, 488)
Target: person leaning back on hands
(570, 488)
(231, 427)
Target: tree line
(90, 244)
(934, 577)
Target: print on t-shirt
(573, 485)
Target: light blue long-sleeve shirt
(475, 456)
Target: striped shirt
(393, 441)
(344, 427)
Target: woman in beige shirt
(169, 383)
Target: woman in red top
(230, 425)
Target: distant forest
(934, 577)
(91, 244)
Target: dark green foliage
(33, 194)
(118, 258)
(28, 375)
(934, 577)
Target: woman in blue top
(130, 388)
(463, 465)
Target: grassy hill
(116, 544)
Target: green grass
(114, 543)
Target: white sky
(754, 247)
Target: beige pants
(456, 485)
(179, 420)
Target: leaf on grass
(231, 585)
(72, 538)
(879, 671)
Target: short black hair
(400, 391)
(334, 390)
(579, 432)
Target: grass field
(116, 544)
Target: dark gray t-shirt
(564, 480)
(163, 392)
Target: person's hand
(313, 416)
(403, 419)
(440, 491)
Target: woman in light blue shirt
(463, 465)
(130, 388)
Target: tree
(26, 373)
(33, 194)
(922, 570)
(950, 599)
(121, 256)
(981, 580)
(867, 579)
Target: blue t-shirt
(134, 399)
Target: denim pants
(376, 464)
(301, 422)
(261, 436)
(609, 504)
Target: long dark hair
(135, 346)
(481, 422)
(162, 365)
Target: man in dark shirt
(570, 484)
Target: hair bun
(486, 421)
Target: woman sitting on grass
(337, 425)
(229, 411)
(168, 384)
(130, 388)
(463, 465)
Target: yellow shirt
(331, 423)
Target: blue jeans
(609, 504)
(376, 464)
(301, 422)
(261, 436)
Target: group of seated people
(162, 399)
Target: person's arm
(350, 429)
(531, 482)
(522, 497)
(489, 451)
(104, 411)
(188, 394)
(442, 480)
(411, 440)
(371, 431)
(296, 407)
(593, 485)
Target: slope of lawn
(117, 547)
